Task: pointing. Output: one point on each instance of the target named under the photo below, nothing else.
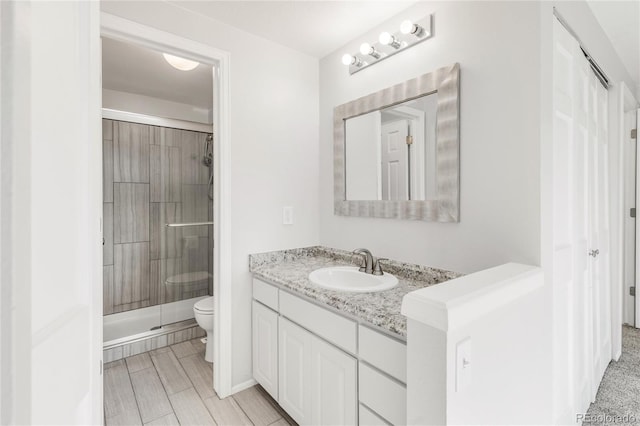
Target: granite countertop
(290, 270)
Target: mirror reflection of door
(381, 163)
(395, 177)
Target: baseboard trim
(242, 386)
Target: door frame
(127, 31)
(626, 102)
(637, 298)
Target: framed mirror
(397, 151)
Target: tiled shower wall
(153, 176)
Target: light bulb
(406, 27)
(385, 38)
(179, 63)
(347, 59)
(388, 40)
(351, 60)
(366, 49)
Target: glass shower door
(181, 213)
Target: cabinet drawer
(383, 352)
(265, 294)
(385, 396)
(335, 328)
(367, 417)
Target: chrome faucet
(367, 267)
(369, 262)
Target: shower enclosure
(158, 238)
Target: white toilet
(203, 311)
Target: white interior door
(599, 228)
(570, 223)
(581, 281)
(394, 161)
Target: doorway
(126, 31)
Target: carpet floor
(618, 398)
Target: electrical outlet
(287, 215)
(463, 364)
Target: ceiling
(313, 27)
(620, 20)
(134, 69)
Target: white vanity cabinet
(265, 348)
(295, 371)
(321, 358)
(334, 398)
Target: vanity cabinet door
(295, 371)
(333, 385)
(265, 348)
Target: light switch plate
(463, 364)
(287, 215)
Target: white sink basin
(349, 278)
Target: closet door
(571, 224)
(599, 231)
(580, 227)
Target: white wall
(273, 120)
(499, 312)
(499, 139)
(362, 155)
(147, 105)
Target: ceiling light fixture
(179, 63)
(388, 44)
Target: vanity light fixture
(367, 49)
(410, 34)
(179, 63)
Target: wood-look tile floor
(172, 386)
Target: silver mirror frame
(446, 208)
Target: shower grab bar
(175, 225)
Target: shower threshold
(154, 332)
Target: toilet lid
(204, 305)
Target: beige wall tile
(107, 290)
(192, 150)
(195, 208)
(165, 174)
(165, 242)
(130, 152)
(131, 273)
(130, 213)
(107, 233)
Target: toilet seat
(204, 306)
